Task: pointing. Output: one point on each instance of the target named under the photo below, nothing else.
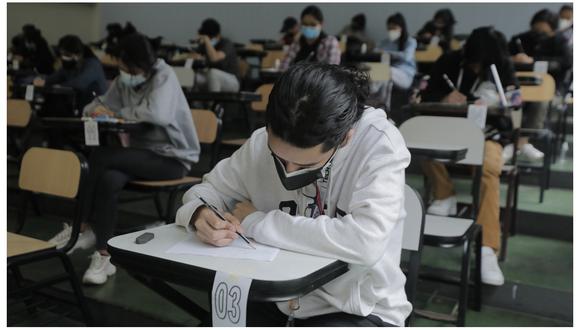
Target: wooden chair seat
(20, 245)
(234, 142)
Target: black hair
(114, 29)
(359, 22)
(487, 46)
(289, 23)
(446, 15)
(74, 45)
(399, 19)
(313, 11)
(136, 52)
(31, 33)
(210, 27)
(566, 7)
(547, 16)
(316, 103)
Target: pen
(520, 46)
(99, 100)
(448, 81)
(211, 207)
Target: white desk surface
(434, 146)
(287, 265)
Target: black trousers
(110, 169)
(266, 314)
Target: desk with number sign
(290, 275)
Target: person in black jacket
(33, 53)
(541, 43)
(469, 71)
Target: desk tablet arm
(441, 155)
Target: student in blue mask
(223, 71)
(147, 90)
(314, 45)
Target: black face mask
(300, 178)
(69, 64)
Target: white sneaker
(86, 239)
(99, 270)
(530, 153)
(490, 272)
(443, 207)
(507, 153)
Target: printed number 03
(227, 302)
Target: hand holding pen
(214, 228)
(101, 109)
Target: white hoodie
(363, 225)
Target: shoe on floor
(530, 153)
(490, 272)
(507, 153)
(99, 269)
(86, 239)
(443, 207)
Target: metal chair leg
(170, 209)
(513, 228)
(77, 289)
(477, 275)
(464, 283)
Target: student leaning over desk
(325, 177)
(469, 72)
(146, 90)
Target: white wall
(54, 20)
(178, 22)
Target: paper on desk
(238, 249)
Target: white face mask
(564, 23)
(131, 80)
(394, 35)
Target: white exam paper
(238, 249)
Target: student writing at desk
(439, 30)
(220, 54)
(357, 29)
(33, 54)
(146, 90)
(314, 45)
(325, 177)
(80, 70)
(541, 43)
(456, 77)
(290, 31)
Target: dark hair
(566, 7)
(30, 32)
(74, 45)
(446, 15)
(399, 20)
(210, 27)
(114, 29)
(289, 23)
(316, 103)
(359, 22)
(547, 16)
(313, 11)
(136, 52)
(486, 46)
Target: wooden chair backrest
(544, 92)
(206, 125)
(18, 113)
(429, 55)
(270, 59)
(265, 91)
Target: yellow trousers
(488, 216)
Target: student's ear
(348, 137)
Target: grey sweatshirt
(161, 102)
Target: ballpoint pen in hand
(211, 207)
(99, 100)
(448, 81)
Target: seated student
(111, 41)
(401, 48)
(32, 52)
(565, 24)
(469, 70)
(541, 43)
(220, 54)
(357, 29)
(324, 177)
(80, 70)
(439, 30)
(146, 90)
(314, 45)
(290, 31)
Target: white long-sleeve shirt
(362, 225)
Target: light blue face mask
(131, 80)
(214, 41)
(310, 32)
